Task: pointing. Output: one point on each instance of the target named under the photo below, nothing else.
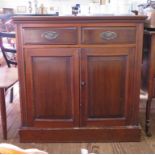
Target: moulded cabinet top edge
(78, 19)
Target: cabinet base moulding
(120, 134)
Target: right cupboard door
(107, 77)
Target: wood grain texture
(105, 102)
(81, 135)
(52, 35)
(93, 35)
(77, 19)
(3, 113)
(78, 83)
(52, 78)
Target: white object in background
(35, 6)
(84, 151)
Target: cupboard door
(107, 76)
(52, 80)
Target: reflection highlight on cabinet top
(79, 78)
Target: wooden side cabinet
(79, 78)
(148, 74)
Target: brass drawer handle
(108, 35)
(50, 35)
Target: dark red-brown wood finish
(106, 102)
(148, 74)
(52, 76)
(80, 78)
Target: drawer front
(50, 35)
(108, 35)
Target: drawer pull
(108, 35)
(50, 35)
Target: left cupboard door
(52, 80)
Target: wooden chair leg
(3, 112)
(11, 95)
(147, 121)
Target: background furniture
(7, 79)
(7, 45)
(79, 78)
(148, 73)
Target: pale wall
(116, 6)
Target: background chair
(8, 74)
(8, 78)
(7, 45)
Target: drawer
(108, 35)
(50, 35)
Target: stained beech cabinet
(79, 78)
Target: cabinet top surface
(130, 18)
